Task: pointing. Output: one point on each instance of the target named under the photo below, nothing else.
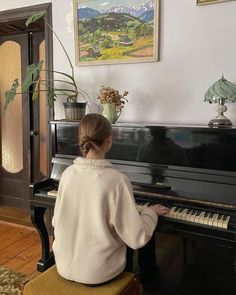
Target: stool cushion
(50, 282)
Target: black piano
(190, 169)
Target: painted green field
(121, 52)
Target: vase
(110, 112)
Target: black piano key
(198, 212)
(188, 211)
(211, 215)
(224, 217)
(220, 216)
(206, 214)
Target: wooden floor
(20, 248)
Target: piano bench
(51, 283)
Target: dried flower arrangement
(110, 95)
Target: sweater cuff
(151, 213)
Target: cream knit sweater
(95, 218)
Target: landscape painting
(116, 31)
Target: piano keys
(195, 216)
(208, 218)
(52, 193)
(190, 169)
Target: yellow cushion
(50, 282)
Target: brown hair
(93, 130)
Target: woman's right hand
(160, 210)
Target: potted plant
(74, 110)
(112, 102)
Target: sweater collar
(89, 163)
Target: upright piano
(190, 169)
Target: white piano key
(215, 220)
(210, 219)
(175, 213)
(200, 218)
(193, 216)
(183, 214)
(179, 213)
(170, 214)
(220, 220)
(188, 216)
(226, 222)
(206, 218)
(52, 193)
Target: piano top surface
(142, 125)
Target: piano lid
(182, 146)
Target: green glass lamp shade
(221, 89)
(220, 92)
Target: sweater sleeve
(133, 228)
(56, 207)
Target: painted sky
(101, 5)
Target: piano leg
(37, 217)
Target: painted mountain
(134, 11)
(87, 13)
(144, 11)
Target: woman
(95, 214)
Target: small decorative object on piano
(112, 102)
(220, 92)
(63, 85)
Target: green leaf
(33, 18)
(32, 75)
(37, 71)
(36, 91)
(10, 94)
(51, 97)
(28, 77)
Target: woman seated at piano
(95, 216)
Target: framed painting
(116, 31)
(203, 2)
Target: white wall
(197, 45)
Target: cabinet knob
(33, 132)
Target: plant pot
(74, 110)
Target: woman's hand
(160, 210)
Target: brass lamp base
(220, 123)
(220, 120)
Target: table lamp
(220, 92)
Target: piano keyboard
(196, 216)
(186, 214)
(52, 193)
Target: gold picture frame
(204, 2)
(117, 31)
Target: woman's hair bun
(86, 147)
(93, 130)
